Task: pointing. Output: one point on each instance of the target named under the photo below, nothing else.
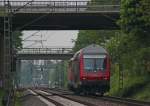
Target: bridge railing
(61, 6)
(45, 51)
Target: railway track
(49, 96)
(99, 101)
(45, 96)
(129, 102)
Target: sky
(55, 38)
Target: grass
(144, 94)
(1, 95)
(17, 95)
(17, 100)
(135, 86)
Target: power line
(31, 35)
(30, 45)
(33, 40)
(50, 35)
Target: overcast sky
(57, 38)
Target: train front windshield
(94, 62)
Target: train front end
(94, 69)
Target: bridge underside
(64, 21)
(44, 56)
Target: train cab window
(100, 64)
(94, 62)
(88, 64)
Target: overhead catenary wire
(30, 45)
(50, 35)
(35, 41)
(31, 35)
(28, 2)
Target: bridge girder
(62, 15)
(44, 56)
(65, 21)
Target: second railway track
(97, 100)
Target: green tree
(17, 40)
(87, 37)
(135, 20)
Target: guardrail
(61, 6)
(45, 51)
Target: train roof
(93, 48)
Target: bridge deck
(45, 54)
(65, 15)
(59, 6)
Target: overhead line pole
(8, 53)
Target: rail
(130, 102)
(62, 6)
(110, 99)
(45, 51)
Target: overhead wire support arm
(31, 35)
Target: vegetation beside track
(136, 87)
(1, 95)
(18, 94)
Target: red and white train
(89, 70)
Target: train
(89, 71)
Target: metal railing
(62, 6)
(45, 51)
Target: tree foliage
(135, 19)
(87, 37)
(17, 40)
(135, 23)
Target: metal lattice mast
(7, 52)
(7, 44)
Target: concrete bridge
(64, 15)
(44, 54)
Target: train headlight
(106, 78)
(84, 78)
